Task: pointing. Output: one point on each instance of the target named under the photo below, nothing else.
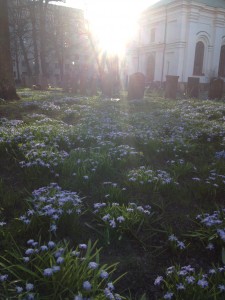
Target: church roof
(212, 3)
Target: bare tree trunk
(26, 60)
(7, 84)
(42, 11)
(17, 61)
(34, 38)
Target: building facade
(184, 38)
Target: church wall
(172, 33)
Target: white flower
(87, 285)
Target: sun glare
(113, 22)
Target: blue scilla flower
(60, 260)
(87, 286)
(19, 289)
(30, 242)
(43, 248)
(82, 246)
(29, 287)
(48, 272)
(29, 251)
(55, 269)
(104, 274)
(3, 277)
(51, 244)
(220, 154)
(92, 265)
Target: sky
(114, 22)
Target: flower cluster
(52, 202)
(51, 262)
(121, 217)
(122, 151)
(144, 175)
(176, 243)
(186, 283)
(212, 227)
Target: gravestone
(216, 88)
(136, 86)
(171, 86)
(193, 87)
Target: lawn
(111, 199)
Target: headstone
(136, 86)
(193, 87)
(216, 88)
(171, 86)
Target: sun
(113, 22)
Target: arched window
(199, 57)
(150, 70)
(221, 71)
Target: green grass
(120, 158)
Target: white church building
(184, 38)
